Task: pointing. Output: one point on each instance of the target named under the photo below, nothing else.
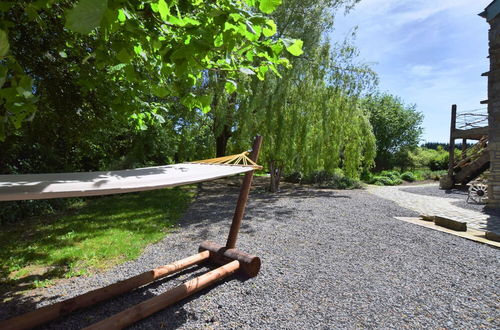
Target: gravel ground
(331, 259)
(459, 193)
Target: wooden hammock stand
(229, 259)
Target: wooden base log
(450, 223)
(250, 264)
(153, 305)
(49, 313)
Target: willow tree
(310, 114)
(311, 117)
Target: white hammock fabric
(59, 185)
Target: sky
(428, 52)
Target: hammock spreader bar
(229, 259)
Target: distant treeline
(445, 146)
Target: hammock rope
(238, 159)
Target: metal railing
(472, 119)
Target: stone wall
(494, 113)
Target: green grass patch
(95, 234)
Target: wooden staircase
(474, 162)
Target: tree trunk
(276, 169)
(221, 141)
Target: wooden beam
(243, 197)
(249, 264)
(450, 223)
(156, 304)
(472, 133)
(48, 313)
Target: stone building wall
(494, 113)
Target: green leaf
(205, 102)
(176, 21)
(296, 47)
(86, 15)
(270, 30)
(219, 40)
(63, 54)
(268, 6)
(160, 91)
(4, 43)
(121, 15)
(124, 56)
(117, 67)
(261, 74)
(230, 86)
(163, 9)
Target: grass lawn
(95, 234)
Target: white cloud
(421, 70)
(429, 52)
(403, 12)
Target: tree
(397, 128)
(144, 52)
(310, 116)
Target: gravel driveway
(331, 259)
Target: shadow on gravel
(171, 317)
(215, 204)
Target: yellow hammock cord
(238, 159)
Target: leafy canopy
(397, 127)
(150, 50)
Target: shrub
(393, 175)
(381, 180)
(408, 176)
(318, 177)
(343, 182)
(386, 178)
(335, 180)
(294, 177)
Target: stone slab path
(432, 205)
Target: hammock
(228, 258)
(58, 185)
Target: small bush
(408, 176)
(381, 180)
(393, 175)
(318, 177)
(325, 179)
(427, 174)
(294, 177)
(343, 182)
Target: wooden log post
(155, 304)
(452, 140)
(243, 197)
(49, 313)
(464, 148)
(249, 264)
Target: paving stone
(437, 206)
